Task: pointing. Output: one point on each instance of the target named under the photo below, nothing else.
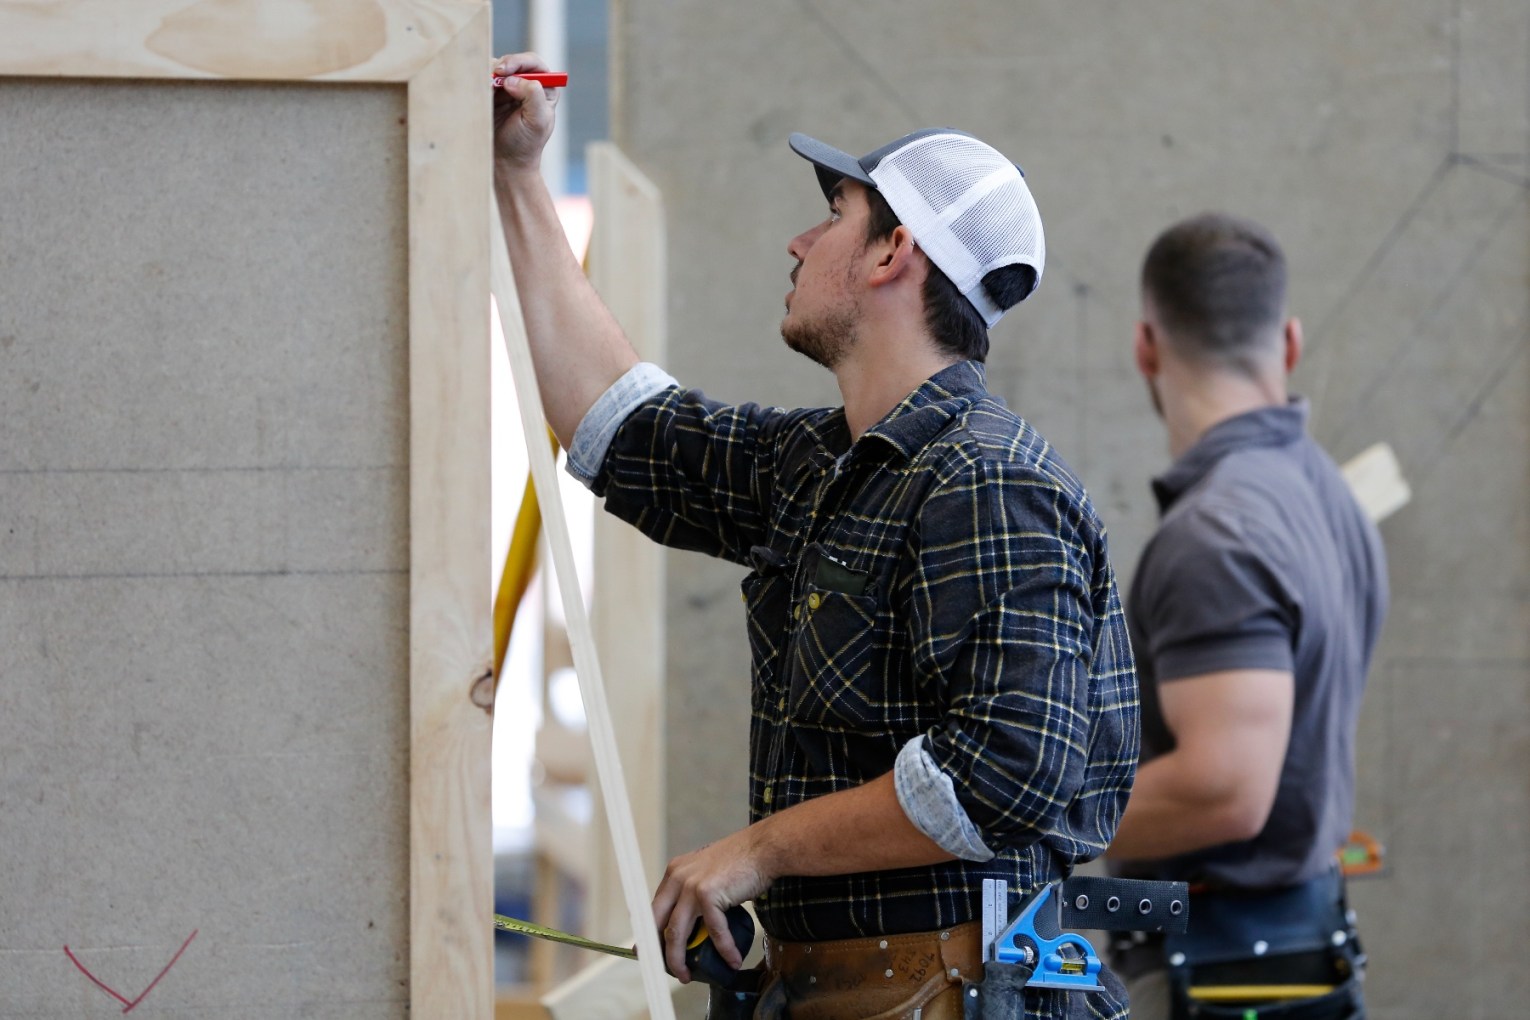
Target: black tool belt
(1291, 954)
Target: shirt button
(815, 600)
(766, 795)
(743, 598)
(797, 613)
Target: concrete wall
(1386, 142)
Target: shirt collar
(924, 412)
(1265, 426)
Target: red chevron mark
(128, 1005)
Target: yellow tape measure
(519, 927)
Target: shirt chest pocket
(836, 669)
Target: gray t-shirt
(1264, 560)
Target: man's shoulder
(990, 446)
(988, 433)
(1255, 514)
(1243, 483)
(1260, 494)
(1233, 507)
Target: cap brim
(832, 164)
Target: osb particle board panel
(204, 575)
(208, 603)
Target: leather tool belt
(916, 976)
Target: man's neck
(873, 383)
(1198, 406)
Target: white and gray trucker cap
(967, 206)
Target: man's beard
(826, 341)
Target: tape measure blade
(519, 927)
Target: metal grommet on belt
(1082, 902)
(1113, 904)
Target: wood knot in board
(482, 692)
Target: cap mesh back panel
(944, 167)
(992, 231)
(968, 207)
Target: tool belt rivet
(945, 936)
(1177, 960)
(888, 972)
(956, 972)
(1261, 947)
(883, 944)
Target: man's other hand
(702, 885)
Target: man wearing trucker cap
(943, 688)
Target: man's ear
(896, 254)
(1145, 348)
(1293, 347)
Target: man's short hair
(1218, 286)
(955, 324)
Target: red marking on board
(128, 1005)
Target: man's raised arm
(578, 348)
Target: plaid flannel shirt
(944, 580)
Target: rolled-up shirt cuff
(928, 798)
(598, 426)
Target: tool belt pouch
(1297, 936)
(892, 977)
(999, 995)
